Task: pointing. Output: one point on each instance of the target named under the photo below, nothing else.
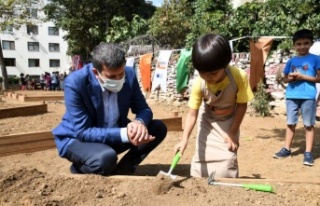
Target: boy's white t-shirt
(315, 49)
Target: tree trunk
(3, 70)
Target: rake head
(167, 174)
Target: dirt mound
(162, 184)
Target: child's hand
(292, 77)
(298, 76)
(181, 146)
(233, 145)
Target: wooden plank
(173, 123)
(9, 94)
(266, 181)
(134, 177)
(229, 180)
(25, 137)
(16, 147)
(23, 111)
(21, 98)
(41, 98)
(42, 135)
(15, 96)
(37, 141)
(36, 149)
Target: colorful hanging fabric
(145, 71)
(160, 76)
(182, 70)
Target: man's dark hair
(211, 52)
(108, 54)
(302, 34)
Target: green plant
(13, 80)
(261, 100)
(285, 45)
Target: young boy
(219, 99)
(301, 73)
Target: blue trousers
(99, 158)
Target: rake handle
(258, 187)
(174, 162)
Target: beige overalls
(214, 119)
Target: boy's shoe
(308, 159)
(283, 153)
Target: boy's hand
(181, 146)
(292, 77)
(233, 145)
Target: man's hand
(138, 133)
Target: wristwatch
(139, 120)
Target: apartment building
(35, 49)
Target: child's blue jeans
(308, 111)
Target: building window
(10, 62)
(54, 47)
(54, 63)
(8, 45)
(53, 31)
(32, 29)
(33, 46)
(34, 62)
(33, 13)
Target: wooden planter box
(25, 98)
(23, 111)
(24, 143)
(37, 141)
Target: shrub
(13, 80)
(261, 101)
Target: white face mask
(112, 85)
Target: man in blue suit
(95, 127)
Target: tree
(275, 18)
(209, 16)
(243, 22)
(13, 13)
(122, 30)
(87, 22)
(171, 23)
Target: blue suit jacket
(84, 117)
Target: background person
(301, 73)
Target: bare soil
(43, 178)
